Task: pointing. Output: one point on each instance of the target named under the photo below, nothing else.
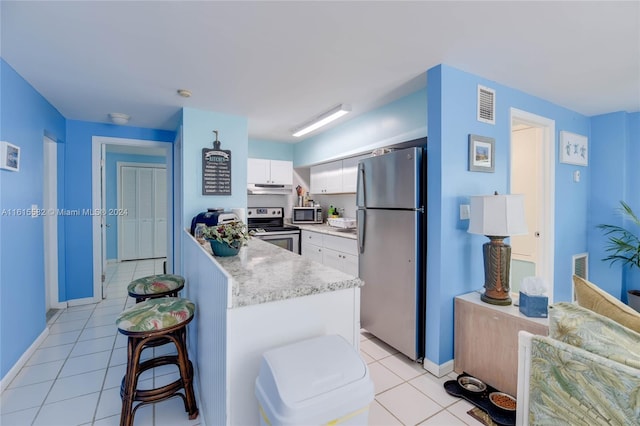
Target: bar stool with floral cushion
(154, 286)
(144, 324)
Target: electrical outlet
(464, 211)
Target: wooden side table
(486, 340)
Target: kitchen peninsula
(246, 304)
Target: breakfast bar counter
(263, 272)
(262, 298)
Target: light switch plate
(464, 211)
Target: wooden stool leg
(134, 349)
(186, 372)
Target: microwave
(306, 215)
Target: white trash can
(317, 381)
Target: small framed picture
(9, 156)
(574, 149)
(481, 154)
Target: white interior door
(526, 179)
(143, 195)
(128, 226)
(160, 212)
(533, 174)
(146, 217)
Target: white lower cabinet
(336, 252)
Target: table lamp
(497, 217)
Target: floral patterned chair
(145, 324)
(586, 372)
(155, 286)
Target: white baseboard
(11, 374)
(438, 370)
(83, 301)
(59, 305)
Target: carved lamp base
(497, 260)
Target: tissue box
(534, 306)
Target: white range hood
(268, 189)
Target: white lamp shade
(497, 215)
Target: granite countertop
(263, 272)
(326, 229)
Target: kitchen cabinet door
(274, 172)
(350, 173)
(326, 178)
(258, 170)
(341, 261)
(311, 251)
(281, 172)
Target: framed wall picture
(9, 156)
(481, 154)
(574, 149)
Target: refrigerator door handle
(361, 221)
(361, 189)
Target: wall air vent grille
(580, 265)
(486, 105)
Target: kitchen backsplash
(344, 201)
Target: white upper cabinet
(335, 177)
(350, 173)
(282, 172)
(326, 178)
(269, 171)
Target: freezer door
(391, 180)
(390, 268)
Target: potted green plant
(624, 246)
(226, 239)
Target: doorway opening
(533, 174)
(106, 152)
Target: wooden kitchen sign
(216, 170)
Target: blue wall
(455, 257)
(79, 247)
(111, 172)
(614, 158)
(25, 116)
(402, 120)
(270, 150)
(197, 128)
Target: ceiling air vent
(486, 105)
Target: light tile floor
(74, 376)
(406, 394)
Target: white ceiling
(281, 63)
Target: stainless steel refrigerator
(392, 244)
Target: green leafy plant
(233, 233)
(623, 244)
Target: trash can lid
(312, 367)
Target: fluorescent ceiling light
(322, 119)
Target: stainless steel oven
(268, 224)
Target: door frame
(50, 224)
(119, 166)
(548, 134)
(97, 187)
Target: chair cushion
(156, 314)
(592, 297)
(155, 284)
(583, 328)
